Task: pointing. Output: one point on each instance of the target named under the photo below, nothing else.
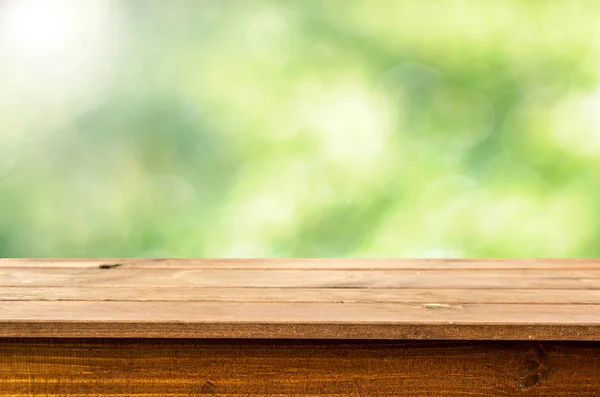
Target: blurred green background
(299, 128)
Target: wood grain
(301, 295)
(134, 367)
(299, 327)
(306, 264)
(297, 298)
(299, 320)
(226, 278)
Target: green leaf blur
(299, 128)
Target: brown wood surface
(157, 367)
(306, 295)
(350, 264)
(250, 298)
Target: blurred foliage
(299, 128)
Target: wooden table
(299, 327)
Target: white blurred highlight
(352, 126)
(40, 29)
(55, 53)
(56, 60)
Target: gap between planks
(300, 295)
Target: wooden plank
(224, 278)
(177, 368)
(116, 300)
(307, 264)
(353, 331)
(431, 320)
(298, 295)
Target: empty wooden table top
(310, 299)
